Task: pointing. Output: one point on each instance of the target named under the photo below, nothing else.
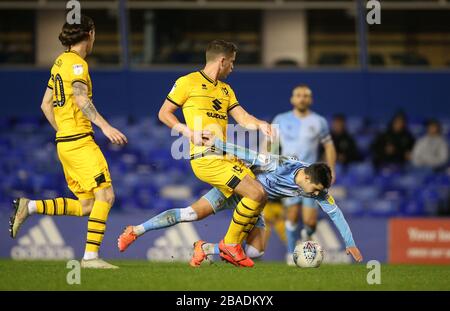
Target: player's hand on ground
(115, 136)
(356, 254)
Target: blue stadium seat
(145, 166)
(365, 193)
(383, 207)
(361, 173)
(414, 207)
(351, 207)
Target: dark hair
(340, 117)
(218, 47)
(398, 115)
(72, 34)
(319, 173)
(434, 122)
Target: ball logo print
(308, 254)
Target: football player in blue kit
(301, 132)
(280, 176)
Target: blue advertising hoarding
(45, 237)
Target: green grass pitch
(143, 275)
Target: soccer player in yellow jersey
(69, 109)
(206, 102)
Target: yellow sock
(59, 206)
(248, 229)
(97, 226)
(243, 214)
(250, 226)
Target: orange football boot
(126, 238)
(199, 254)
(235, 255)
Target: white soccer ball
(308, 254)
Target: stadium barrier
(419, 240)
(44, 237)
(377, 94)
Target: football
(308, 254)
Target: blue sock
(216, 249)
(211, 248)
(163, 220)
(292, 235)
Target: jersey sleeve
(180, 92)
(50, 83)
(79, 72)
(261, 162)
(233, 100)
(329, 206)
(324, 134)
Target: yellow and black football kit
(84, 165)
(206, 104)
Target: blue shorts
(219, 202)
(306, 202)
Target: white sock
(139, 230)
(208, 248)
(188, 214)
(90, 255)
(290, 225)
(32, 207)
(252, 251)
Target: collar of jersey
(208, 78)
(72, 51)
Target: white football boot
(96, 263)
(20, 206)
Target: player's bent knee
(310, 222)
(293, 218)
(110, 198)
(86, 206)
(106, 195)
(260, 195)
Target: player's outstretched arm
(329, 206)
(47, 107)
(249, 156)
(80, 93)
(243, 118)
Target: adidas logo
(175, 244)
(43, 241)
(331, 244)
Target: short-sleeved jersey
(277, 176)
(300, 137)
(68, 68)
(205, 104)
